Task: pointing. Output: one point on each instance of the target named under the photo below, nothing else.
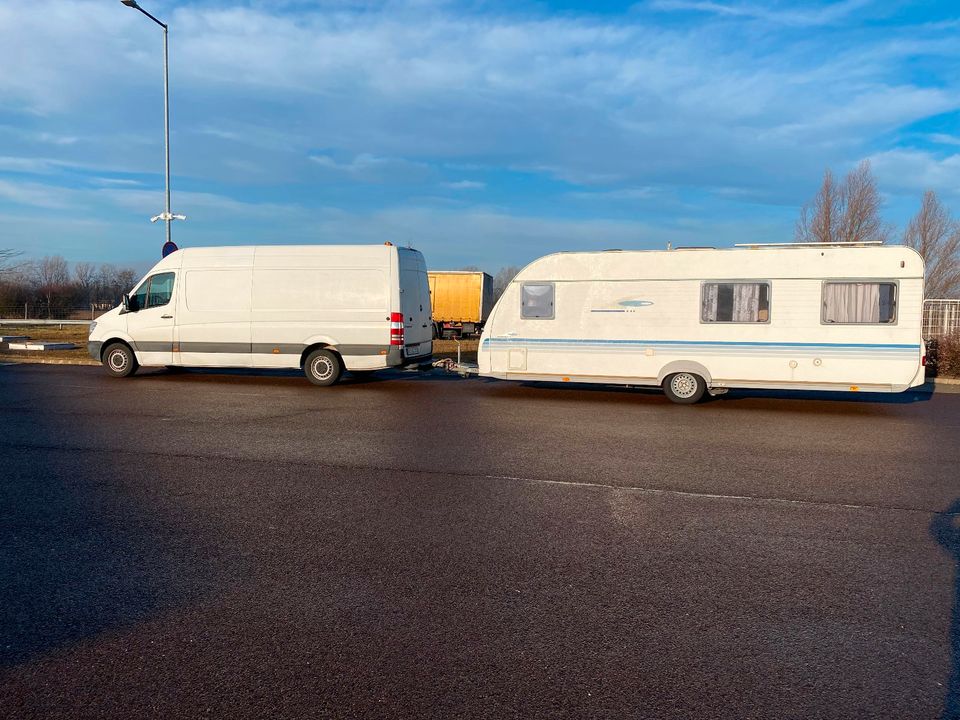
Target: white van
(818, 317)
(321, 308)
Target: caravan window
(865, 303)
(735, 302)
(537, 300)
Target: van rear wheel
(322, 367)
(685, 388)
(119, 360)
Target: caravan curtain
(711, 294)
(732, 302)
(852, 303)
(746, 302)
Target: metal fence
(40, 311)
(940, 317)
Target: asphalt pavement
(235, 545)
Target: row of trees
(50, 288)
(849, 211)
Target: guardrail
(35, 321)
(34, 313)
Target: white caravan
(824, 317)
(322, 308)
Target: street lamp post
(166, 215)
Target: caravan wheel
(684, 387)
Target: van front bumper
(93, 347)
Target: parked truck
(461, 301)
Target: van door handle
(167, 317)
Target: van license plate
(413, 350)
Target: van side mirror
(127, 303)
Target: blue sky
(482, 133)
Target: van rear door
(415, 303)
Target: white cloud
(809, 15)
(34, 195)
(465, 185)
(367, 167)
(914, 171)
(944, 139)
(628, 194)
(308, 102)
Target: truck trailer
(461, 301)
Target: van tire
(322, 367)
(685, 388)
(119, 360)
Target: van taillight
(923, 361)
(396, 328)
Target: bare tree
(7, 256)
(469, 268)
(936, 236)
(126, 279)
(85, 277)
(51, 277)
(502, 279)
(819, 218)
(844, 212)
(105, 283)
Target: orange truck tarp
(460, 296)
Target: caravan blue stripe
(721, 343)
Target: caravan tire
(322, 367)
(685, 388)
(119, 360)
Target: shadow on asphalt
(945, 529)
(732, 398)
(792, 400)
(83, 549)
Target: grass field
(50, 333)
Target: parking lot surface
(247, 545)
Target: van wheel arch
(114, 341)
(318, 346)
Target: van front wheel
(322, 367)
(119, 360)
(684, 387)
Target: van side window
(861, 303)
(735, 302)
(536, 300)
(138, 300)
(160, 291)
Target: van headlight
(93, 326)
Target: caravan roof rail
(861, 243)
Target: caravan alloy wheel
(684, 387)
